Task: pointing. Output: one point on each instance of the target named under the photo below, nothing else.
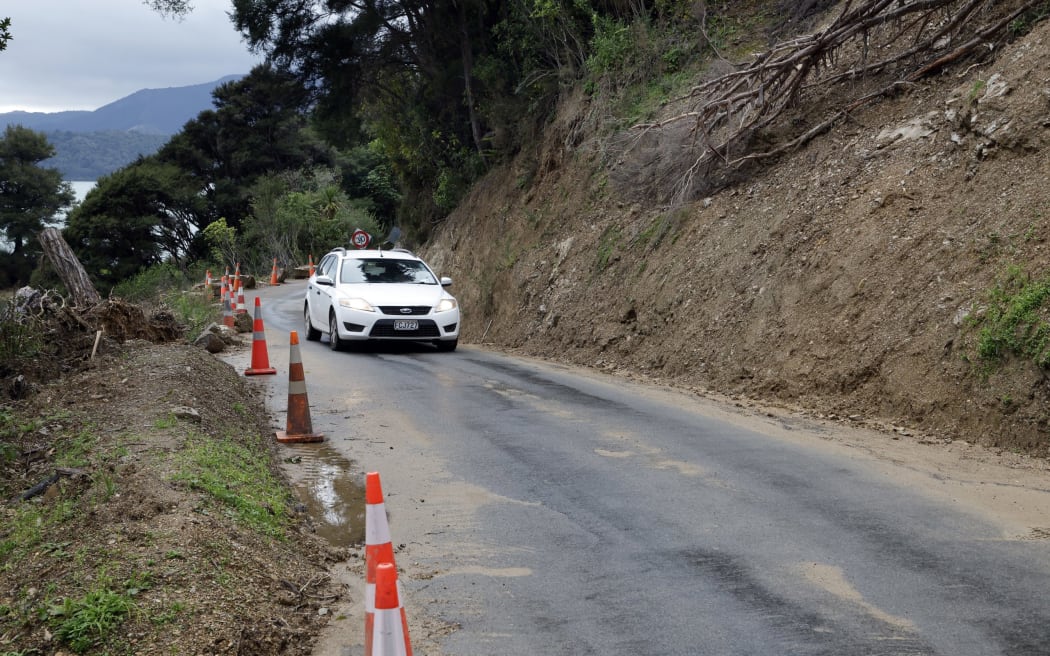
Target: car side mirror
(446, 281)
(323, 280)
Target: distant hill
(90, 144)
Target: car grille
(385, 328)
(397, 309)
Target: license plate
(406, 324)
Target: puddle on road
(334, 499)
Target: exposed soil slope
(130, 521)
(844, 278)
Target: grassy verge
(162, 532)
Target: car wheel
(446, 345)
(312, 334)
(334, 342)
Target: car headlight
(445, 304)
(357, 304)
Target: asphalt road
(546, 510)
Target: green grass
(167, 421)
(1016, 320)
(87, 621)
(195, 311)
(239, 480)
(28, 527)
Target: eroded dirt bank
(844, 279)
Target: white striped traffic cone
(391, 633)
(298, 427)
(379, 550)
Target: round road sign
(360, 239)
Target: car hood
(396, 293)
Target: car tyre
(312, 334)
(446, 345)
(334, 342)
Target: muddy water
(333, 495)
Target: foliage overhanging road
(546, 510)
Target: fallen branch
(728, 112)
(42, 486)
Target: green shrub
(1015, 322)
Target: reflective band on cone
(299, 427)
(379, 550)
(260, 358)
(227, 312)
(390, 633)
(241, 307)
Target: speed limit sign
(360, 238)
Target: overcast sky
(83, 54)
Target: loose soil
(119, 517)
(847, 280)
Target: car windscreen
(386, 270)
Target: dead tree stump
(69, 269)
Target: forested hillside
(91, 155)
(91, 144)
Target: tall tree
(257, 127)
(140, 215)
(31, 197)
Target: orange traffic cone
(379, 550)
(260, 359)
(298, 428)
(391, 632)
(273, 273)
(242, 307)
(311, 263)
(227, 311)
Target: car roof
(368, 254)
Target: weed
(192, 310)
(84, 623)
(659, 229)
(26, 530)
(1024, 23)
(169, 421)
(976, 89)
(75, 449)
(1015, 322)
(239, 408)
(239, 479)
(169, 615)
(21, 337)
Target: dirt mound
(43, 337)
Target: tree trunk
(468, 73)
(69, 268)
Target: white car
(362, 295)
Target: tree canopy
(31, 198)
